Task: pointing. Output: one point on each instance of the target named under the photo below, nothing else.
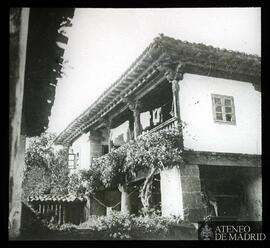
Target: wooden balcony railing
(167, 125)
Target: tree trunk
(147, 192)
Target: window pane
(228, 109)
(228, 117)
(218, 109)
(228, 102)
(71, 164)
(219, 116)
(217, 100)
(71, 157)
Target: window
(71, 161)
(78, 159)
(223, 109)
(105, 149)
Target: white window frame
(223, 112)
(71, 160)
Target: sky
(103, 43)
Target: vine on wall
(151, 152)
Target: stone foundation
(191, 192)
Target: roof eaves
(90, 111)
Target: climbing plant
(153, 152)
(45, 166)
(150, 152)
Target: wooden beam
(145, 90)
(144, 73)
(222, 159)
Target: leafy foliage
(46, 167)
(150, 152)
(124, 226)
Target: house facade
(215, 95)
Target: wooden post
(131, 128)
(108, 123)
(59, 214)
(43, 209)
(135, 107)
(68, 212)
(137, 123)
(175, 90)
(56, 210)
(18, 42)
(174, 77)
(46, 210)
(64, 214)
(151, 118)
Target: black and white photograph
(135, 124)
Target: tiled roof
(196, 58)
(55, 198)
(203, 56)
(44, 61)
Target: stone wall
(253, 196)
(191, 192)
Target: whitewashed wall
(82, 145)
(202, 133)
(171, 193)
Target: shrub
(125, 226)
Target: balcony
(167, 125)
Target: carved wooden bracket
(95, 136)
(106, 121)
(171, 73)
(175, 86)
(134, 105)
